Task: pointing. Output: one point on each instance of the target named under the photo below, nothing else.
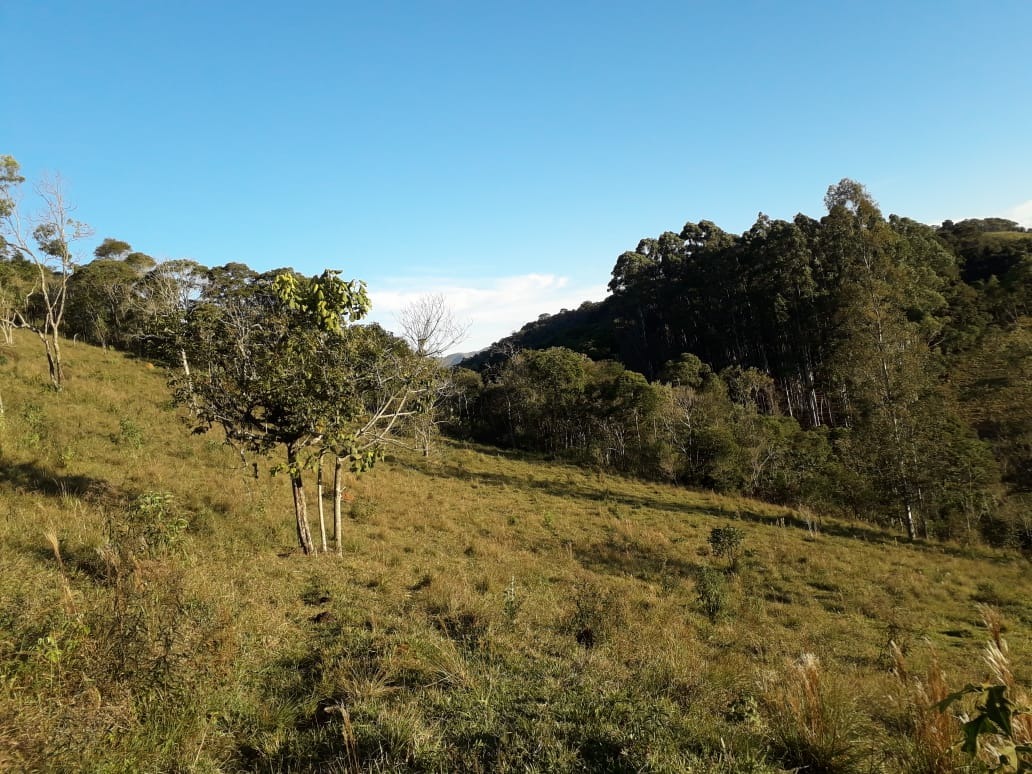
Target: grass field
(491, 612)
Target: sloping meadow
(491, 612)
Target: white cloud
(1021, 213)
(493, 307)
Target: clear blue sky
(506, 153)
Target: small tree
(268, 368)
(726, 541)
(44, 240)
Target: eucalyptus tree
(45, 240)
(906, 438)
(102, 294)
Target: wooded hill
(862, 364)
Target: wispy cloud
(493, 307)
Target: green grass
(491, 612)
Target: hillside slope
(491, 612)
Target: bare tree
(45, 240)
(430, 327)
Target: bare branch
(430, 327)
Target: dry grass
(452, 634)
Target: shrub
(726, 541)
(711, 590)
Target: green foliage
(711, 590)
(836, 344)
(996, 720)
(328, 301)
(150, 527)
(37, 427)
(726, 542)
(511, 601)
(130, 434)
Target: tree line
(867, 365)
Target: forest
(869, 366)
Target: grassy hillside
(491, 612)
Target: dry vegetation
(491, 612)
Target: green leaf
(998, 708)
(979, 725)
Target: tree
(46, 241)
(267, 367)
(275, 361)
(431, 330)
(905, 437)
(102, 294)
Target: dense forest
(859, 365)
(872, 366)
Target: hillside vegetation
(491, 611)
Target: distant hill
(455, 358)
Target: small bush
(150, 527)
(711, 590)
(130, 434)
(726, 542)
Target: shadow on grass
(600, 494)
(603, 494)
(633, 559)
(27, 477)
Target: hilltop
(492, 612)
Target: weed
(712, 593)
(929, 734)
(362, 509)
(1001, 730)
(510, 601)
(150, 527)
(37, 427)
(129, 434)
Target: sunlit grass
(491, 612)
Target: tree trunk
(338, 476)
(53, 351)
(319, 495)
(304, 536)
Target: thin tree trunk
(322, 517)
(338, 476)
(304, 536)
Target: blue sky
(505, 153)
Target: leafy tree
(267, 366)
(888, 318)
(102, 294)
